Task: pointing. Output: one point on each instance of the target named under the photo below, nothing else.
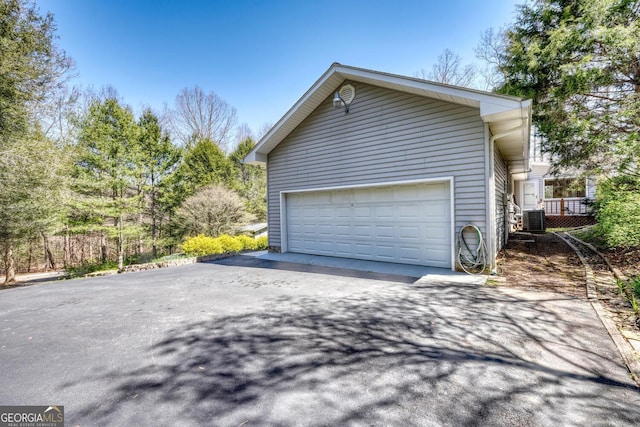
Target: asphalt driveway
(241, 343)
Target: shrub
(262, 242)
(248, 243)
(635, 286)
(89, 267)
(618, 212)
(212, 210)
(201, 245)
(229, 243)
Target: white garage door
(408, 224)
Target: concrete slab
(425, 274)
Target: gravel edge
(625, 349)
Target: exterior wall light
(339, 102)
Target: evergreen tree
(250, 181)
(31, 66)
(203, 163)
(107, 170)
(158, 158)
(33, 174)
(580, 63)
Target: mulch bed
(543, 262)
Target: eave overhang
(500, 112)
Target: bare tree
(55, 116)
(489, 50)
(266, 127)
(243, 132)
(450, 70)
(202, 116)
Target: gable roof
(509, 118)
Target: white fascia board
(493, 107)
(255, 158)
(272, 138)
(456, 94)
(492, 111)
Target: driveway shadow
(253, 262)
(407, 355)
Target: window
(563, 188)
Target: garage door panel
(363, 196)
(342, 212)
(326, 246)
(343, 249)
(325, 229)
(406, 224)
(363, 231)
(325, 213)
(341, 196)
(384, 212)
(384, 232)
(364, 212)
(440, 257)
(410, 233)
(411, 211)
(363, 250)
(436, 211)
(440, 234)
(342, 231)
(387, 252)
(408, 255)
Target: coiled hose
(472, 261)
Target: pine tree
(250, 181)
(107, 171)
(31, 67)
(158, 158)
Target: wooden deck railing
(566, 207)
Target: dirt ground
(544, 262)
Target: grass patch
(560, 229)
(590, 235)
(630, 291)
(493, 282)
(88, 268)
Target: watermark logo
(32, 416)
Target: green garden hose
(471, 260)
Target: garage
(409, 224)
(378, 166)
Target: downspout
(493, 250)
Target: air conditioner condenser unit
(533, 220)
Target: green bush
(229, 243)
(635, 286)
(248, 243)
(88, 267)
(262, 242)
(618, 212)
(201, 245)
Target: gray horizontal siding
(386, 136)
(500, 177)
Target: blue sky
(260, 56)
